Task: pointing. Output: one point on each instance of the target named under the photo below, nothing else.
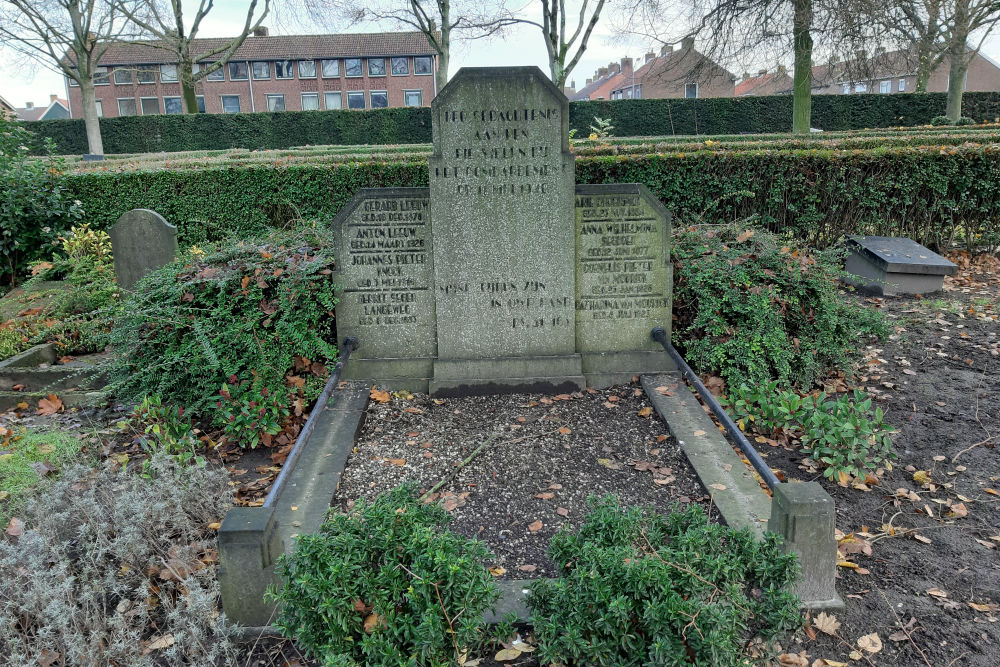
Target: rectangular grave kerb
(893, 266)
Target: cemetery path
(926, 539)
(544, 456)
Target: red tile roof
(284, 47)
(764, 84)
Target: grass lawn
(26, 458)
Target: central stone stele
(503, 276)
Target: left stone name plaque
(386, 273)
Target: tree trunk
(186, 76)
(924, 59)
(444, 56)
(802, 79)
(958, 59)
(91, 122)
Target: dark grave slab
(893, 266)
(142, 241)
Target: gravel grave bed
(549, 453)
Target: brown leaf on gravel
(545, 496)
(411, 409)
(562, 511)
(646, 411)
(50, 406)
(562, 397)
(379, 396)
(958, 510)
(613, 399)
(535, 526)
(800, 659)
(395, 462)
(15, 528)
(556, 487)
(871, 643)
(564, 430)
(826, 623)
(450, 504)
(527, 568)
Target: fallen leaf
(498, 571)
(937, 592)
(920, 538)
(984, 608)
(379, 396)
(395, 462)
(158, 643)
(744, 236)
(699, 433)
(958, 510)
(871, 643)
(43, 468)
(921, 477)
(794, 659)
(507, 654)
(50, 406)
(535, 526)
(718, 487)
(545, 496)
(562, 511)
(646, 411)
(15, 528)
(826, 623)
(664, 390)
(371, 622)
(48, 657)
(527, 568)
(564, 430)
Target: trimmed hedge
(148, 134)
(934, 195)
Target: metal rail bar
(659, 334)
(350, 343)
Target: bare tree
(741, 30)
(164, 22)
(439, 20)
(69, 37)
(559, 41)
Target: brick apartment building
(679, 71)
(271, 73)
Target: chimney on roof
(649, 56)
(687, 43)
(53, 98)
(589, 81)
(613, 68)
(782, 70)
(602, 72)
(746, 75)
(572, 84)
(29, 105)
(761, 72)
(626, 64)
(260, 31)
(666, 48)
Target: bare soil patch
(546, 456)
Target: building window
(331, 69)
(283, 69)
(146, 74)
(275, 102)
(902, 85)
(100, 108)
(376, 67)
(71, 81)
(356, 100)
(861, 87)
(352, 67)
(691, 90)
(217, 75)
(173, 106)
(168, 73)
(239, 71)
(310, 101)
(413, 98)
(847, 88)
(307, 69)
(123, 76)
(380, 99)
(195, 68)
(422, 65)
(101, 76)
(334, 100)
(400, 66)
(885, 87)
(150, 106)
(230, 104)
(200, 99)
(261, 70)
(126, 107)
(638, 91)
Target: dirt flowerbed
(921, 568)
(543, 456)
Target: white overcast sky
(521, 46)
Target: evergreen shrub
(386, 584)
(753, 308)
(638, 588)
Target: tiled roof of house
(5, 105)
(285, 47)
(38, 112)
(764, 84)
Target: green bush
(940, 120)
(258, 308)
(639, 588)
(752, 309)
(412, 125)
(843, 432)
(34, 202)
(386, 584)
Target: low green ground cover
(26, 459)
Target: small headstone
(893, 266)
(142, 241)
(93, 157)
